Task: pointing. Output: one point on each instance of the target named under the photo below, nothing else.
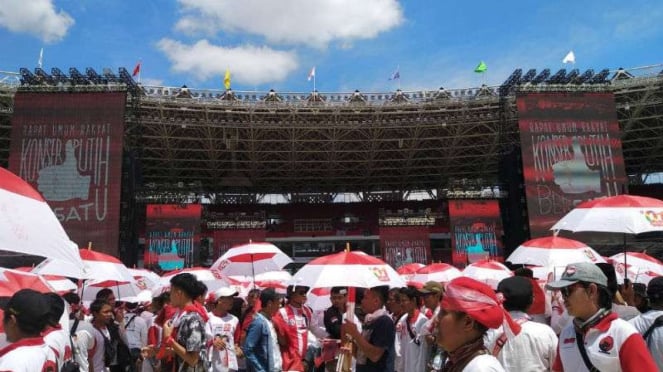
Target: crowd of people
(585, 321)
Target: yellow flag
(226, 80)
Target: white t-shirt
(533, 349)
(655, 344)
(484, 363)
(58, 340)
(83, 341)
(225, 327)
(136, 331)
(414, 351)
(28, 355)
(96, 354)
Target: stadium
(409, 176)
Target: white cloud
(313, 23)
(36, 17)
(248, 64)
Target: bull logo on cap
(570, 270)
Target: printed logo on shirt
(606, 344)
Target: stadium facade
(191, 172)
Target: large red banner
(226, 239)
(571, 152)
(476, 231)
(172, 235)
(68, 146)
(405, 244)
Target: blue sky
(354, 44)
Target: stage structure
(185, 145)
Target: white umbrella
(251, 259)
(552, 251)
(626, 214)
(121, 290)
(641, 267)
(211, 278)
(348, 269)
(489, 272)
(96, 265)
(145, 279)
(28, 225)
(438, 272)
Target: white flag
(570, 58)
(311, 74)
(41, 57)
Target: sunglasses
(566, 291)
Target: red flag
(136, 69)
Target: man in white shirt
(56, 335)
(644, 322)
(222, 330)
(136, 331)
(535, 347)
(24, 319)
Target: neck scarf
(459, 358)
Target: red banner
(172, 235)
(226, 239)
(571, 151)
(405, 244)
(476, 231)
(68, 146)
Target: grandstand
(226, 148)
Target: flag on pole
(481, 68)
(41, 57)
(136, 69)
(570, 58)
(396, 74)
(226, 80)
(311, 74)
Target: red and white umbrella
(552, 251)
(407, 271)
(11, 281)
(211, 278)
(251, 259)
(96, 265)
(641, 267)
(121, 289)
(489, 272)
(438, 272)
(60, 284)
(318, 299)
(28, 225)
(271, 279)
(145, 279)
(349, 269)
(627, 214)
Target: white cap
(225, 292)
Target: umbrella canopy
(251, 259)
(60, 284)
(271, 279)
(641, 268)
(28, 225)
(122, 290)
(318, 299)
(627, 214)
(96, 265)
(552, 251)
(410, 268)
(438, 272)
(489, 272)
(211, 278)
(11, 281)
(145, 279)
(350, 269)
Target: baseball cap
(580, 272)
(292, 288)
(431, 286)
(655, 288)
(225, 292)
(31, 310)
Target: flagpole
(314, 73)
(140, 70)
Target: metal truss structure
(236, 147)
